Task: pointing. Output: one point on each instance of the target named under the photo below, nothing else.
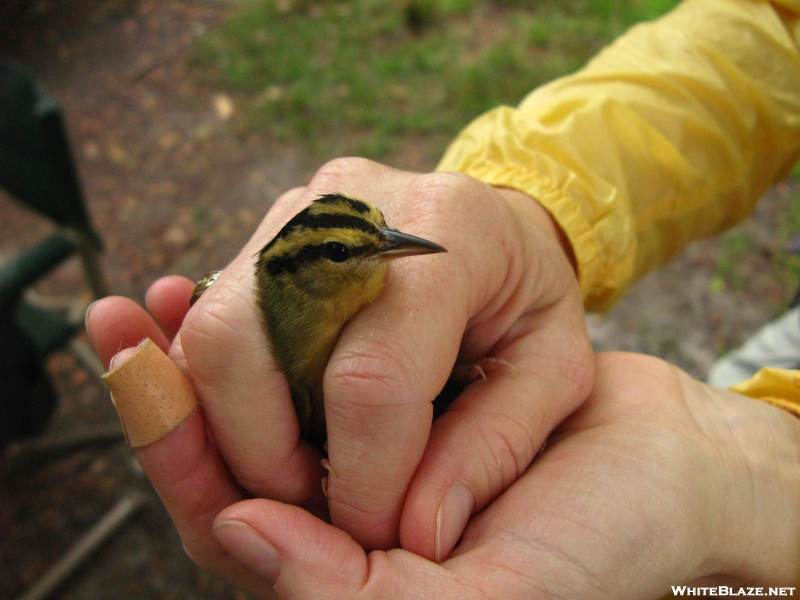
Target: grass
(748, 259)
(734, 249)
(788, 230)
(369, 75)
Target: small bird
(326, 263)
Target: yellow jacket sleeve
(671, 133)
(780, 387)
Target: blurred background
(188, 119)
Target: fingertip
(150, 393)
(115, 323)
(286, 542)
(421, 519)
(451, 519)
(167, 299)
(248, 546)
(87, 321)
(121, 357)
(432, 523)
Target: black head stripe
(307, 220)
(291, 261)
(353, 203)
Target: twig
(56, 575)
(44, 448)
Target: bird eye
(336, 252)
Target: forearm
(670, 134)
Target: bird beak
(394, 244)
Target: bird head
(337, 250)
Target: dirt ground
(175, 184)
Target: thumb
(291, 548)
(308, 558)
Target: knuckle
(455, 188)
(289, 197)
(455, 202)
(355, 375)
(448, 183)
(334, 172)
(442, 191)
(215, 324)
(205, 335)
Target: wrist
(529, 208)
(759, 454)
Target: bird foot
(473, 371)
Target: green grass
(788, 227)
(750, 259)
(734, 249)
(364, 75)
(796, 171)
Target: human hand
(657, 480)
(504, 289)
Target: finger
(284, 544)
(395, 356)
(192, 481)
(244, 393)
(292, 548)
(182, 463)
(168, 301)
(492, 432)
(382, 375)
(115, 323)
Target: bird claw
(541, 449)
(473, 371)
(326, 464)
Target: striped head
(336, 250)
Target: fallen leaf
(223, 105)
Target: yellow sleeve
(671, 133)
(780, 387)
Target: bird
(329, 261)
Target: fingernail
(120, 357)
(454, 512)
(245, 543)
(86, 318)
(151, 395)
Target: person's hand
(657, 480)
(504, 289)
